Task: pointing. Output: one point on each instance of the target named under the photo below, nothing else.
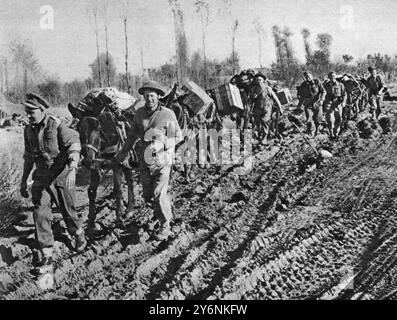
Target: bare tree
(94, 10)
(180, 40)
(105, 20)
(124, 16)
(25, 62)
(306, 34)
(261, 33)
(202, 8)
(234, 30)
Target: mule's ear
(75, 112)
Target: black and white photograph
(218, 150)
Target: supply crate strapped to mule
(284, 96)
(196, 99)
(227, 97)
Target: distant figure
(14, 121)
(375, 87)
(335, 100)
(312, 95)
(263, 98)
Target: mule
(101, 140)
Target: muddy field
(297, 226)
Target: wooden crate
(284, 96)
(196, 98)
(226, 97)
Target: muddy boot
(164, 232)
(93, 230)
(80, 242)
(44, 265)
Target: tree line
(21, 71)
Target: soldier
(158, 132)
(13, 122)
(312, 95)
(55, 151)
(375, 87)
(334, 103)
(263, 98)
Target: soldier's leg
(147, 184)
(317, 117)
(338, 120)
(67, 205)
(309, 119)
(330, 121)
(130, 184)
(162, 201)
(372, 107)
(42, 216)
(266, 120)
(258, 126)
(378, 108)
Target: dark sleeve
(28, 157)
(69, 141)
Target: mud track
(295, 227)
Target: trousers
(42, 214)
(155, 189)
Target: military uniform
(312, 94)
(335, 99)
(54, 149)
(375, 84)
(154, 166)
(263, 98)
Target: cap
(260, 75)
(153, 85)
(34, 101)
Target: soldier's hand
(71, 178)
(24, 190)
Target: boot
(45, 265)
(80, 240)
(164, 232)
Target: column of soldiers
(329, 99)
(53, 149)
(260, 102)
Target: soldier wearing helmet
(375, 86)
(157, 132)
(312, 94)
(334, 102)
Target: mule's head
(90, 136)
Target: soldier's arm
(344, 94)
(69, 141)
(381, 84)
(28, 159)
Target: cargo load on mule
(227, 97)
(99, 99)
(196, 99)
(284, 96)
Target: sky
(67, 46)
